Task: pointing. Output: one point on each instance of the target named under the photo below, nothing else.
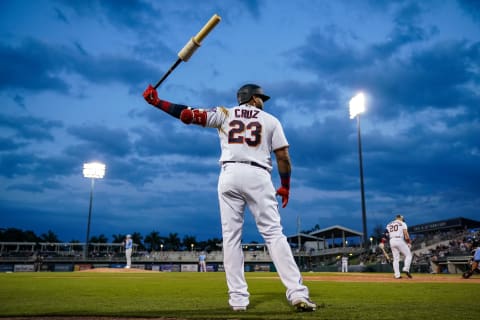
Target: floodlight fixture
(94, 170)
(357, 105)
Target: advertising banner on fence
(189, 268)
(170, 267)
(63, 267)
(24, 268)
(6, 267)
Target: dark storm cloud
(30, 128)
(253, 7)
(61, 16)
(31, 65)
(31, 164)
(103, 140)
(320, 143)
(422, 156)
(136, 171)
(437, 77)
(336, 53)
(37, 187)
(472, 8)
(37, 66)
(9, 144)
(170, 138)
(125, 14)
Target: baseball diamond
(109, 294)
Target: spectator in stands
(202, 262)
(128, 250)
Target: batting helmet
(245, 93)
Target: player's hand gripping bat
(191, 46)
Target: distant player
(128, 250)
(202, 262)
(397, 232)
(344, 263)
(472, 244)
(248, 137)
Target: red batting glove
(284, 193)
(151, 96)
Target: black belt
(247, 162)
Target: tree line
(153, 241)
(150, 242)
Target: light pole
(92, 170)
(357, 106)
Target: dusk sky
(72, 75)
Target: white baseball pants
(243, 185)
(398, 245)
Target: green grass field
(204, 296)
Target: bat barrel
(192, 45)
(214, 20)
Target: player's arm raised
(186, 114)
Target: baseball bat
(192, 45)
(386, 255)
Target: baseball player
(344, 263)
(128, 250)
(248, 135)
(202, 262)
(397, 232)
(472, 244)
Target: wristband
(285, 179)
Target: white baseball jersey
(398, 245)
(395, 229)
(247, 133)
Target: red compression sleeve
(172, 109)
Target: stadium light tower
(357, 106)
(92, 170)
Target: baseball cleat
(408, 274)
(304, 305)
(467, 274)
(239, 308)
(398, 277)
